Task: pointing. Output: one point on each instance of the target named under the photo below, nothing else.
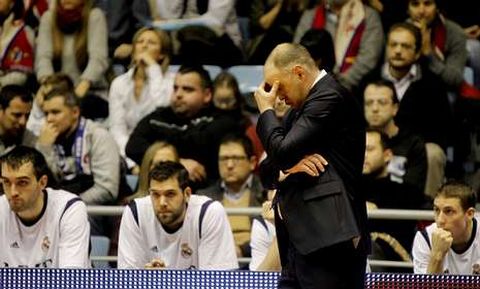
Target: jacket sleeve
(44, 51)
(97, 47)
(140, 139)
(105, 166)
(287, 148)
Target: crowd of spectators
(89, 84)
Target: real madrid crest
(186, 250)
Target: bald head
(286, 55)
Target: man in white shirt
(452, 243)
(172, 229)
(39, 226)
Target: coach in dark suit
(320, 211)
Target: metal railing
(385, 214)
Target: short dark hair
(205, 79)
(69, 97)
(458, 190)
(388, 84)
(18, 9)
(9, 92)
(240, 139)
(384, 139)
(21, 155)
(414, 30)
(163, 171)
(319, 43)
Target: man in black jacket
(320, 210)
(190, 123)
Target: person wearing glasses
(418, 91)
(173, 229)
(238, 186)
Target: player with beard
(15, 107)
(191, 123)
(39, 226)
(81, 154)
(171, 228)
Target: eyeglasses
(380, 102)
(234, 159)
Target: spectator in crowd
(15, 106)
(190, 123)
(319, 44)
(208, 31)
(272, 22)
(174, 229)
(57, 80)
(451, 244)
(407, 164)
(381, 192)
(81, 154)
(391, 12)
(39, 226)
(124, 20)
(443, 41)
(157, 152)
(145, 86)
(34, 9)
(238, 186)
(467, 14)
(18, 40)
(357, 32)
(263, 233)
(227, 97)
(72, 39)
(419, 91)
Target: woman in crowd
(145, 86)
(72, 39)
(227, 97)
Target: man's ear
(76, 111)
(387, 155)
(43, 181)
(298, 71)
(207, 96)
(470, 212)
(187, 192)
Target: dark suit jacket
(318, 211)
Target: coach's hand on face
(265, 96)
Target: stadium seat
(213, 70)
(248, 76)
(100, 247)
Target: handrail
(386, 214)
(389, 214)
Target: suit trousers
(340, 266)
